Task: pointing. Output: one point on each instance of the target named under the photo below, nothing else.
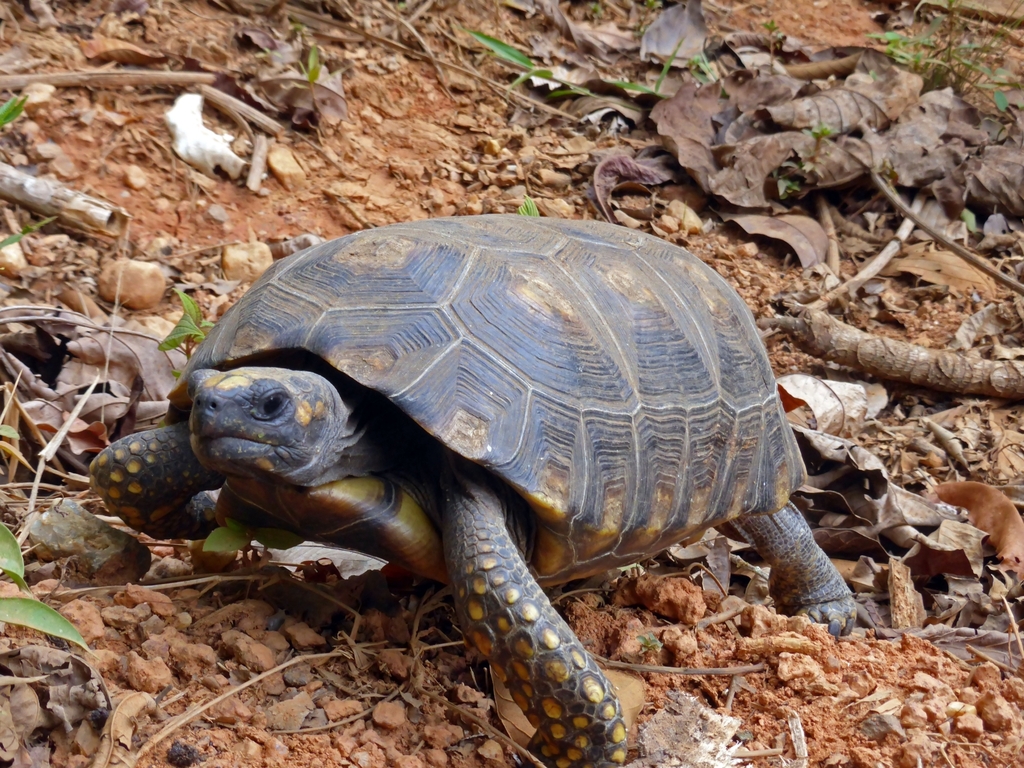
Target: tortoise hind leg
(507, 617)
(803, 579)
(149, 479)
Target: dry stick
(796, 733)
(47, 197)
(832, 260)
(818, 333)
(187, 717)
(658, 670)
(257, 163)
(1016, 634)
(975, 261)
(107, 79)
(877, 263)
(992, 660)
(230, 104)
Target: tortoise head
(271, 424)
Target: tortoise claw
(838, 615)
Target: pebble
(396, 663)
(913, 715)
(252, 655)
(274, 685)
(339, 709)
(12, 260)
(122, 618)
(193, 660)
(135, 178)
(36, 95)
(86, 618)
(169, 568)
(920, 750)
(231, 711)
(436, 758)
(248, 749)
(995, 711)
(142, 283)
(148, 675)
(554, 179)
(970, 726)
(441, 736)
(246, 261)
(409, 761)
(985, 677)
(154, 625)
(669, 223)
(555, 209)
(797, 665)
(389, 715)
(218, 213)
(303, 637)
(133, 595)
(288, 715)
(297, 676)
(275, 641)
(491, 750)
(878, 726)
(285, 167)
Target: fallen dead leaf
(679, 33)
(992, 512)
(801, 233)
(110, 49)
(116, 741)
(621, 169)
(839, 407)
(940, 268)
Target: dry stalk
(257, 163)
(113, 79)
(825, 217)
(659, 670)
(236, 108)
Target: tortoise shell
(614, 380)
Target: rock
(1013, 690)
(297, 676)
(689, 221)
(36, 95)
(985, 677)
(396, 663)
(150, 676)
(193, 660)
(12, 260)
(103, 555)
(409, 761)
(491, 750)
(669, 223)
(757, 621)
(274, 685)
(168, 568)
(368, 756)
(218, 213)
(878, 726)
(245, 261)
(303, 637)
(553, 209)
(554, 179)
(231, 711)
(436, 758)
(995, 711)
(922, 681)
(276, 642)
(142, 283)
(252, 655)
(970, 726)
(389, 715)
(86, 618)
(919, 751)
(913, 715)
(135, 178)
(133, 595)
(154, 625)
(747, 250)
(797, 665)
(123, 618)
(285, 167)
(339, 709)
(441, 736)
(288, 715)
(491, 147)
(249, 750)
(674, 598)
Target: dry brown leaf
(801, 233)
(940, 268)
(993, 513)
(679, 33)
(839, 407)
(296, 95)
(995, 179)
(110, 49)
(620, 169)
(687, 128)
(116, 741)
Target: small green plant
(649, 643)
(528, 208)
(787, 186)
(27, 611)
(312, 69)
(597, 10)
(700, 68)
(775, 38)
(234, 536)
(191, 328)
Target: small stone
(193, 660)
(681, 643)
(689, 221)
(135, 178)
(747, 250)
(985, 677)
(797, 665)
(491, 147)
(491, 750)
(274, 685)
(249, 750)
(554, 179)
(218, 213)
(246, 261)
(922, 681)
(86, 618)
(288, 715)
(995, 711)
(142, 283)
(339, 709)
(389, 715)
(231, 711)
(396, 663)
(64, 167)
(285, 167)
(12, 260)
(169, 568)
(409, 761)
(1013, 690)
(36, 95)
(297, 676)
(913, 715)
(919, 751)
(878, 726)
(669, 223)
(275, 641)
(369, 756)
(553, 209)
(970, 726)
(303, 637)
(254, 656)
(148, 675)
(123, 618)
(154, 625)
(133, 595)
(436, 758)
(441, 736)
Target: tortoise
(499, 403)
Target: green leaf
(235, 525)
(277, 538)
(27, 612)
(11, 560)
(1002, 103)
(967, 217)
(185, 330)
(502, 50)
(226, 540)
(6, 430)
(28, 229)
(12, 109)
(528, 208)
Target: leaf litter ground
(420, 140)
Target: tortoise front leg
(507, 617)
(148, 479)
(803, 579)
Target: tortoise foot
(839, 615)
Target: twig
(107, 79)
(1016, 635)
(796, 733)
(48, 197)
(233, 106)
(734, 686)
(189, 715)
(658, 670)
(990, 659)
(482, 725)
(750, 753)
(852, 229)
(975, 261)
(877, 263)
(720, 618)
(948, 440)
(257, 163)
(832, 260)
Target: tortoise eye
(269, 406)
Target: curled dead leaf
(839, 407)
(679, 33)
(993, 513)
(116, 740)
(940, 268)
(111, 49)
(801, 233)
(620, 169)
